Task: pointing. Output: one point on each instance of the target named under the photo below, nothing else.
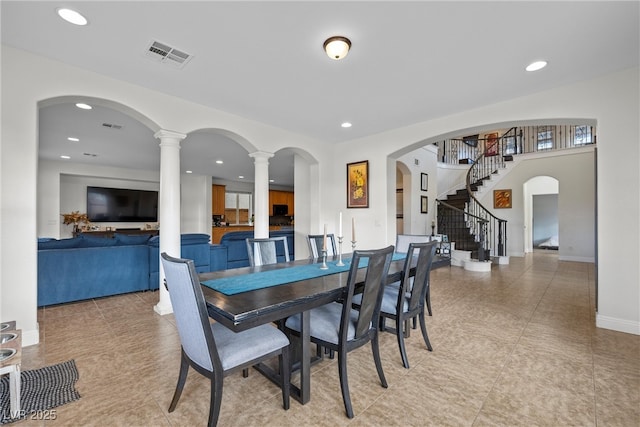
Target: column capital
(163, 133)
(261, 155)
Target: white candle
(353, 229)
(340, 226)
(324, 239)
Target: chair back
(403, 241)
(264, 251)
(374, 282)
(315, 245)
(423, 254)
(190, 311)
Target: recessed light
(219, 162)
(241, 176)
(73, 139)
(346, 125)
(83, 106)
(272, 180)
(72, 16)
(535, 66)
(188, 171)
(65, 157)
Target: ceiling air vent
(112, 126)
(163, 53)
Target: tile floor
(514, 347)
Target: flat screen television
(121, 205)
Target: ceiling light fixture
(337, 47)
(189, 171)
(72, 16)
(346, 125)
(219, 162)
(83, 106)
(537, 65)
(73, 139)
(65, 157)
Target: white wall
(612, 101)
(62, 188)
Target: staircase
(465, 220)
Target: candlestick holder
(353, 245)
(324, 260)
(340, 263)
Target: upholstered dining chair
(406, 302)
(402, 246)
(315, 245)
(341, 328)
(212, 349)
(264, 251)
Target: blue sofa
(88, 267)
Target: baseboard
(577, 258)
(620, 325)
(31, 337)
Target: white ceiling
(410, 62)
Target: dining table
(245, 297)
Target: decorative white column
(169, 206)
(261, 193)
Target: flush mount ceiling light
(84, 106)
(72, 16)
(337, 47)
(72, 139)
(346, 125)
(535, 66)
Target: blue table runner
(264, 279)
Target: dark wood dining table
(246, 310)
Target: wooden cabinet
(277, 197)
(217, 199)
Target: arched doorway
(541, 194)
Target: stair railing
(488, 162)
(461, 226)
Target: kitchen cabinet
(278, 197)
(217, 199)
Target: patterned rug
(41, 390)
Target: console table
(111, 233)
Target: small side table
(11, 366)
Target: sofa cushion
(60, 244)
(135, 239)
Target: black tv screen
(121, 205)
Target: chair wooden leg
(423, 327)
(375, 347)
(182, 378)
(215, 401)
(400, 336)
(245, 372)
(344, 383)
(285, 369)
(429, 299)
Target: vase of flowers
(76, 218)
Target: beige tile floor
(514, 347)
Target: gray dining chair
(402, 246)
(265, 251)
(212, 349)
(341, 328)
(315, 242)
(406, 301)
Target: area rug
(41, 390)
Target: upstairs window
(545, 138)
(583, 135)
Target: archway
(541, 195)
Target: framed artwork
(491, 147)
(502, 199)
(424, 182)
(358, 184)
(424, 204)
